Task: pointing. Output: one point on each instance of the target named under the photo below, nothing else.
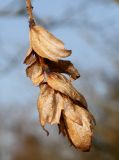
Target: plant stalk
(29, 8)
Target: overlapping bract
(46, 45)
(59, 102)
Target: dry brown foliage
(59, 102)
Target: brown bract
(59, 102)
(46, 45)
(60, 83)
(34, 71)
(50, 105)
(78, 125)
(76, 122)
(63, 66)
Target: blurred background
(91, 29)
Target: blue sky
(90, 46)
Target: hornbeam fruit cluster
(59, 102)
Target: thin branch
(29, 8)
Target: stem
(30, 14)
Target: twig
(30, 14)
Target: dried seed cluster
(59, 102)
